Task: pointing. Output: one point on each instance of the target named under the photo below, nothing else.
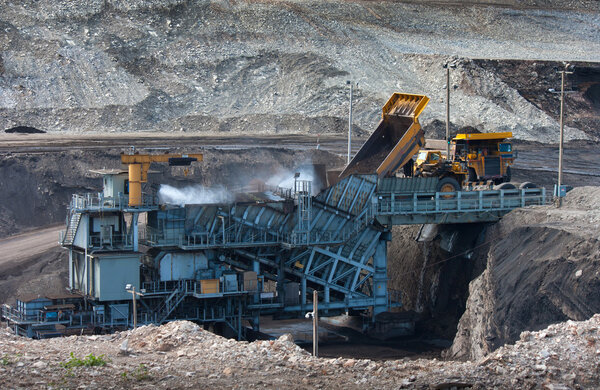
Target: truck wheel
(472, 174)
(448, 184)
(527, 184)
(505, 186)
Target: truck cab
(484, 156)
(428, 157)
(474, 157)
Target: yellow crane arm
(138, 165)
(150, 158)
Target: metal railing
(115, 240)
(462, 201)
(97, 201)
(98, 240)
(186, 286)
(40, 316)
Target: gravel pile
(564, 356)
(584, 198)
(560, 356)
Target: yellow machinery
(140, 163)
(397, 138)
(477, 157)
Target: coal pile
(24, 130)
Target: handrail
(461, 201)
(97, 201)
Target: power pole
(134, 307)
(315, 314)
(560, 145)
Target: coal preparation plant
(135, 258)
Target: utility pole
(567, 70)
(447, 66)
(134, 307)
(131, 288)
(560, 144)
(350, 122)
(315, 323)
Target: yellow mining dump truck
(398, 137)
(476, 157)
(395, 141)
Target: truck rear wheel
(505, 186)
(526, 185)
(448, 184)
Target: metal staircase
(71, 232)
(171, 302)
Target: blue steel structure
(212, 263)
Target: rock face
(542, 267)
(281, 67)
(433, 275)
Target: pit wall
(434, 275)
(536, 274)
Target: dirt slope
(433, 276)
(32, 263)
(256, 67)
(542, 268)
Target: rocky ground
(255, 67)
(182, 355)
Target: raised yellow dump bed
(397, 138)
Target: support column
(380, 276)
(256, 268)
(303, 293)
(134, 225)
(256, 297)
(239, 321)
(71, 272)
